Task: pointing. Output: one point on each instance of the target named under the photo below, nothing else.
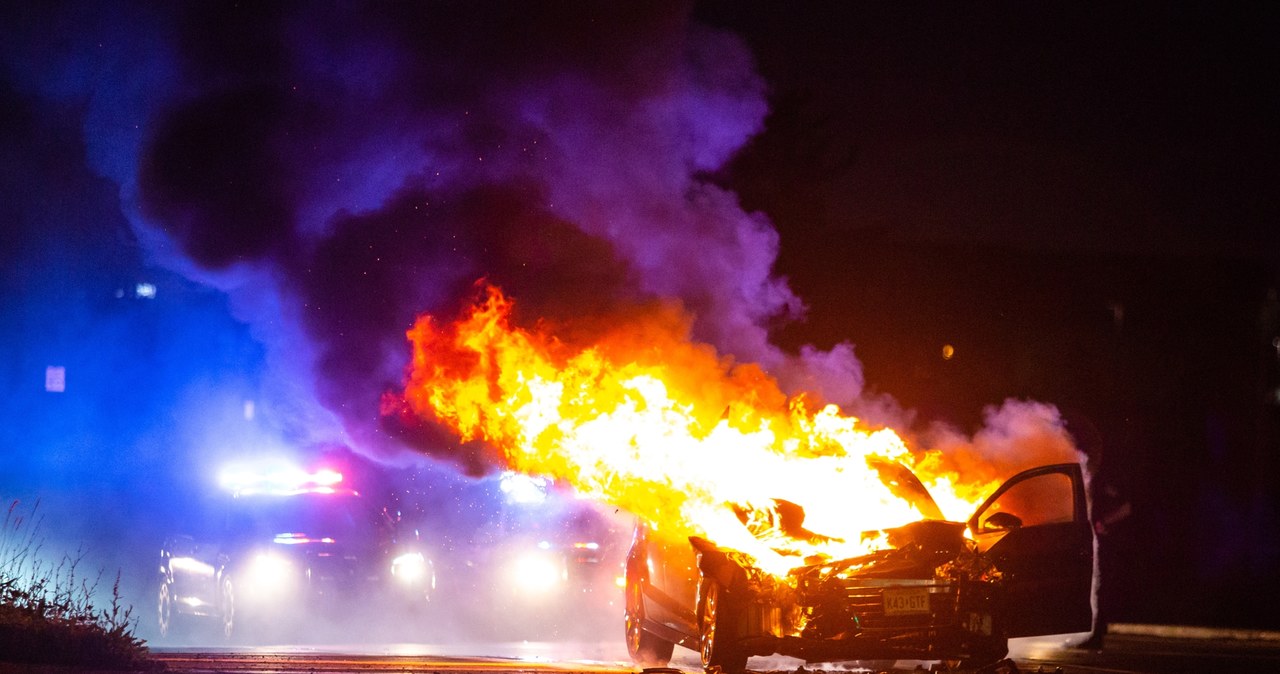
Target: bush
(47, 615)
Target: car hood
(916, 551)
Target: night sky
(1080, 200)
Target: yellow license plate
(907, 601)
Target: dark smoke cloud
(339, 169)
(214, 180)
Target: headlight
(537, 573)
(269, 572)
(411, 567)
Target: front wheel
(164, 609)
(718, 620)
(645, 648)
(227, 603)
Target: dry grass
(47, 611)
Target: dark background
(1080, 200)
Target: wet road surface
(1121, 654)
(325, 662)
(1148, 654)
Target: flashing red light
(278, 481)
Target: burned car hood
(922, 550)
(910, 551)
(916, 551)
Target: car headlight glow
(537, 573)
(410, 567)
(269, 572)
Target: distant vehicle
(289, 543)
(551, 562)
(579, 558)
(935, 595)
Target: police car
(288, 544)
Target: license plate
(909, 601)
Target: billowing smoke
(1016, 435)
(337, 171)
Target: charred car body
(287, 549)
(934, 594)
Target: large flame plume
(665, 428)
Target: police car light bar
(279, 481)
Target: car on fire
(1022, 565)
(289, 544)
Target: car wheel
(429, 587)
(164, 609)
(645, 648)
(717, 633)
(227, 602)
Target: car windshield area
(1043, 499)
(301, 518)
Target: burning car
(937, 590)
(775, 521)
(290, 543)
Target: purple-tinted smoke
(338, 170)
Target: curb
(1186, 632)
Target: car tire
(645, 648)
(431, 583)
(718, 619)
(227, 607)
(428, 594)
(165, 614)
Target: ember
(666, 428)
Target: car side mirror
(1002, 521)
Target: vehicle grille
(863, 605)
(333, 573)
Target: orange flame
(667, 429)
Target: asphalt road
(1121, 654)
(1148, 654)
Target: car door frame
(1045, 570)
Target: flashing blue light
(280, 481)
(297, 539)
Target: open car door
(1035, 531)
